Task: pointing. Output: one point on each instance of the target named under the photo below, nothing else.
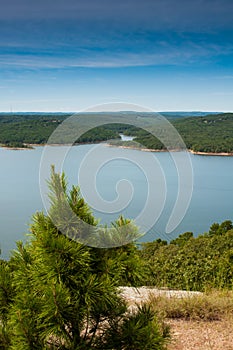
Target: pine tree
(58, 293)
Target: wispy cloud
(145, 52)
(113, 34)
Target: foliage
(182, 239)
(207, 133)
(57, 293)
(192, 263)
(220, 229)
(211, 134)
(18, 130)
(140, 330)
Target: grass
(210, 306)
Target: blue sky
(162, 54)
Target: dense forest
(20, 130)
(211, 134)
(207, 133)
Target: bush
(192, 263)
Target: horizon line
(130, 111)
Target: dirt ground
(194, 335)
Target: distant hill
(201, 131)
(180, 114)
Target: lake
(20, 198)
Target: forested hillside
(18, 130)
(209, 133)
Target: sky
(68, 55)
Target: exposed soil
(194, 335)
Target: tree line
(209, 133)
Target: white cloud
(186, 54)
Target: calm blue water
(20, 192)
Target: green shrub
(192, 263)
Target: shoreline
(221, 154)
(31, 146)
(141, 149)
(28, 147)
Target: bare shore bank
(226, 154)
(31, 146)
